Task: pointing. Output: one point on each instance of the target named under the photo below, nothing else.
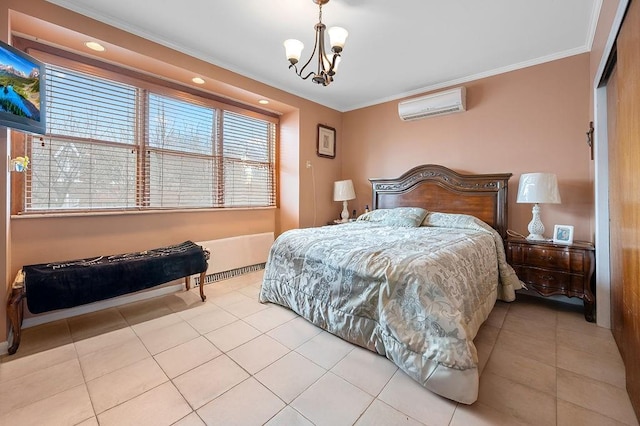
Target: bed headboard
(437, 188)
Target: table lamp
(537, 188)
(343, 191)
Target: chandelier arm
(321, 51)
(315, 47)
(331, 69)
(308, 75)
(322, 76)
(299, 73)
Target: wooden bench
(61, 285)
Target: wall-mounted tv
(22, 91)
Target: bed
(412, 280)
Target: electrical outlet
(308, 164)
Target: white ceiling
(394, 49)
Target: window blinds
(180, 153)
(111, 145)
(247, 147)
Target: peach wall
(317, 181)
(530, 120)
(39, 240)
(289, 169)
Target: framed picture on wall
(326, 141)
(563, 234)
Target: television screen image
(21, 91)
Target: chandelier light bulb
(337, 38)
(293, 49)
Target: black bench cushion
(77, 282)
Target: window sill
(132, 212)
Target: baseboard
(97, 306)
(4, 347)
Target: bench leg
(203, 276)
(187, 284)
(15, 312)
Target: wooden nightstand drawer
(547, 258)
(545, 255)
(551, 282)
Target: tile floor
(174, 360)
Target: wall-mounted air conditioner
(445, 102)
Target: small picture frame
(326, 141)
(563, 234)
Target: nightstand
(552, 269)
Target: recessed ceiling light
(93, 45)
(197, 80)
(263, 101)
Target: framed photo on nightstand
(563, 234)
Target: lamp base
(536, 228)
(536, 237)
(345, 212)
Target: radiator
(236, 255)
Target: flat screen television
(22, 91)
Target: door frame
(601, 171)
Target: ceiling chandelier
(327, 64)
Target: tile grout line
(86, 385)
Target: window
(247, 171)
(88, 160)
(181, 148)
(117, 145)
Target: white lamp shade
(337, 37)
(293, 49)
(343, 190)
(538, 188)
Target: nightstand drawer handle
(546, 258)
(548, 277)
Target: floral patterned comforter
(416, 295)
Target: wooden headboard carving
(437, 188)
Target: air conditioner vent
(446, 102)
